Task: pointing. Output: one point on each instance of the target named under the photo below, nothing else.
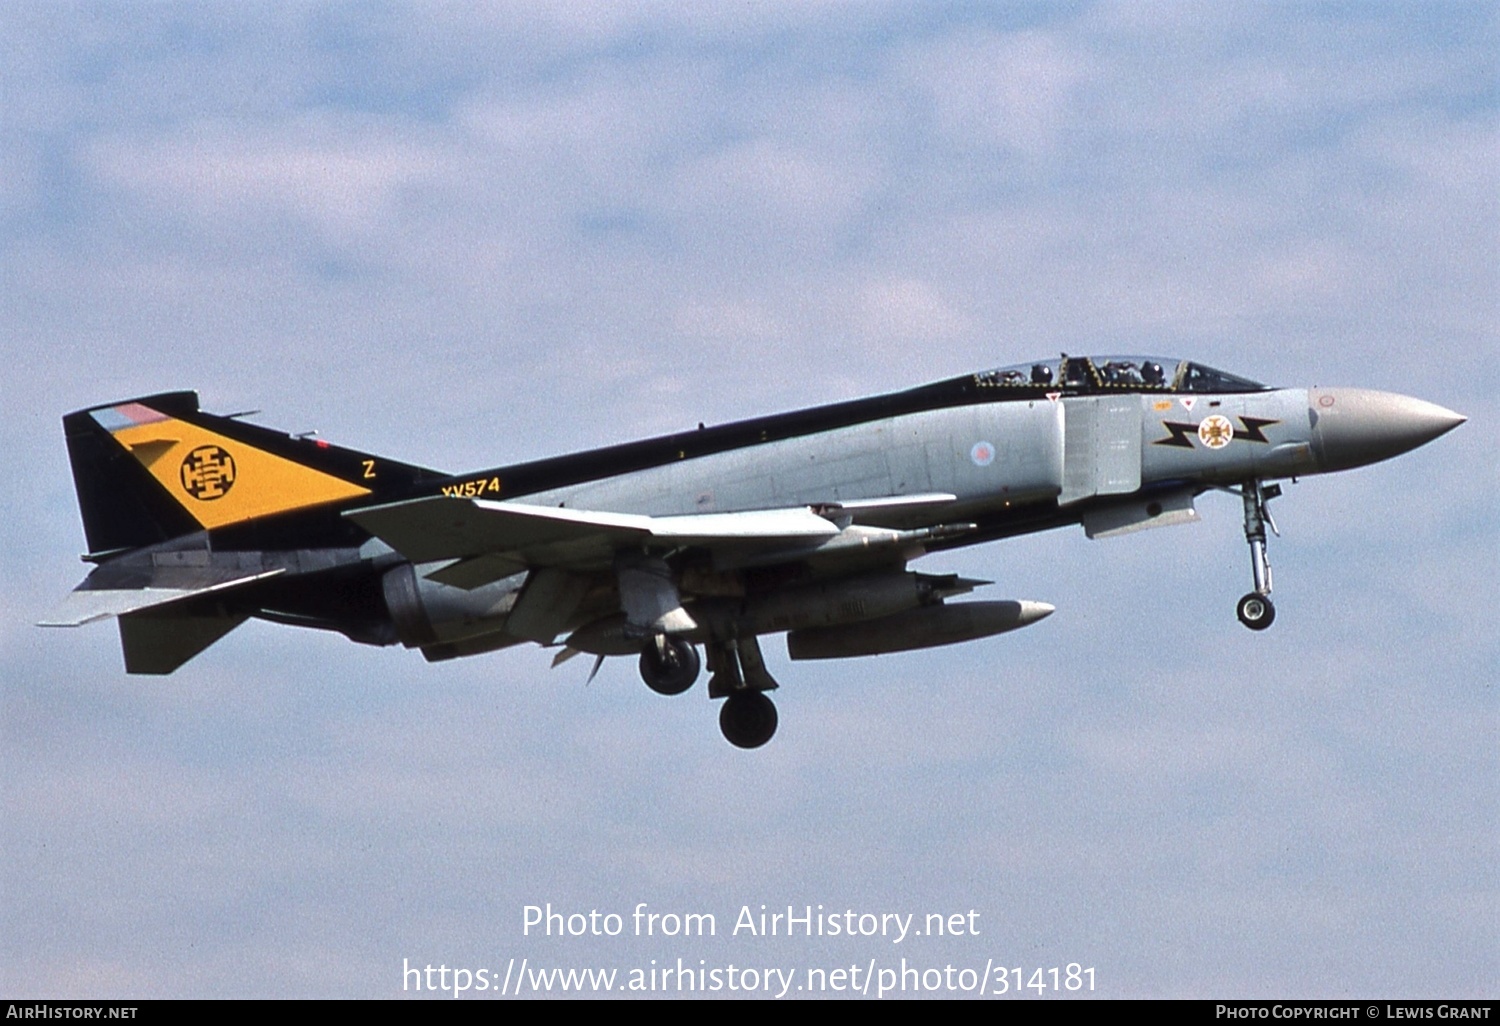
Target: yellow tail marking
(221, 481)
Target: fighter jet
(800, 523)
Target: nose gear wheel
(1255, 611)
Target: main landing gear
(748, 719)
(1255, 609)
(669, 665)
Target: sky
(465, 235)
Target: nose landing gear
(1255, 609)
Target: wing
(483, 541)
(468, 543)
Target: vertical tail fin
(122, 507)
(155, 468)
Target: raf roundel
(208, 473)
(983, 454)
(1215, 431)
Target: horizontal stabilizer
(85, 605)
(157, 642)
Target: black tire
(748, 719)
(1255, 611)
(674, 674)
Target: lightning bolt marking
(1252, 429)
(1181, 434)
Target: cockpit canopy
(1117, 374)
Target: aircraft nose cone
(1031, 612)
(1356, 426)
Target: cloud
(470, 236)
(336, 177)
(1003, 94)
